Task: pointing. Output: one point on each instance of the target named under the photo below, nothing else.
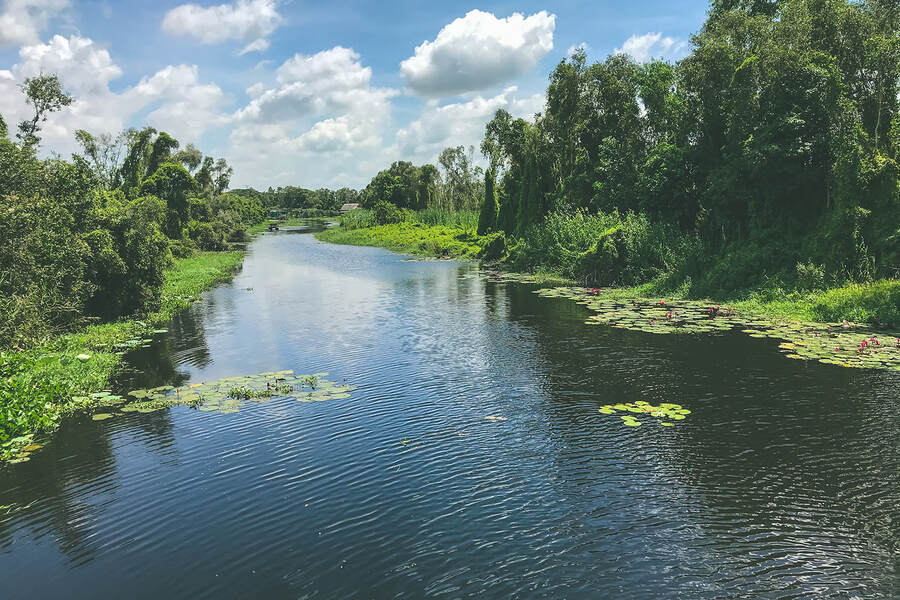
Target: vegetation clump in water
(665, 411)
(845, 344)
(227, 395)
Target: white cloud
(181, 104)
(188, 107)
(21, 21)
(331, 81)
(478, 52)
(460, 123)
(653, 45)
(247, 21)
(322, 123)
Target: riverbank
(58, 377)
(418, 239)
(874, 302)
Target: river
(784, 482)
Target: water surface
(784, 482)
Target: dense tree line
(322, 200)
(773, 144)
(90, 237)
(456, 185)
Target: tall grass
(358, 219)
(461, 219)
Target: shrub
(386, 213)
(810, 276)
(358, 219)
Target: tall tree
(45, 94)
(490, 207)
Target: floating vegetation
(227, 395)
(845, 344)
(19, 449)
(665, 411)
(498, 276)
(102, 416)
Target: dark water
(783, 483)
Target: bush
(600, 248)
(877, 302)
(810, 276)
(494, 248)
(386, 213)
(358, 219)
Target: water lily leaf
(102, 416)
(631, 423)
(666, 424)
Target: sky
(314, 93)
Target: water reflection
(783, 481)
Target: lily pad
(102, 416)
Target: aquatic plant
(845, 344)
(664, 411)
(228, 394)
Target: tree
(190, 157)
(45, 94)
(173, 184)
(160, 152)
(458, 178)
(133, 169)
(103, 154)
(490, 208)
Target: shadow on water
(783, 481)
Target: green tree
(172, 184)
(490, 207)
(45, 94)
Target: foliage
(773, 143)
(40, 384)
(411, 238)
(46, 95)
(357, 219)
(461, 219)
(89, 239)
(387, 213)
(490, 206)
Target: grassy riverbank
(873, 302)
(439, 241)
(44, 383)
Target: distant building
(348, 207)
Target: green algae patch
(845, 344)
(668, 411)
(227, 395)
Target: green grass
(461, 219)
(38, 385)
(410, 238)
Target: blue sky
(314, 93)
